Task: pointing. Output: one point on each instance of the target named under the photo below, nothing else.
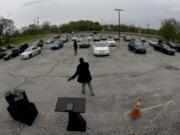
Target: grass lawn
(22, 39)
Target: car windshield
(101, 45)
(56, 43)
(138, 44)
(28, 49)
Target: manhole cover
(171, 68)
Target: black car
(11, 54)
(38, 43)
(164, 48)
(126, 39)
(64, 39)
(116, 39)
(2, 54)
(136, 46)
(103, 38)
(10, 46)
(23, 47)
(3, 49)
(174, 46)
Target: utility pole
(119, 10)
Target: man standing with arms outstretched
(84, 76)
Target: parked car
(50, 41)
(64, 39)
(101, 48)
(81, 35)
(40, 43)
(174, 46)
(116, 38)
(97, 39)
(23, 47)
(143, 40)
(103, 38)
(2, 54)
(152, 42)
(91, 34)
(57, 45)
(111, 42)
(89, 38)
(30, 52)
(126, 39)
(3, 49)
(10, 46)
(74, 38)
(164, 48)
(136, 46)
(84, 44)
(11, 54)
(79, 39)
(57, 37)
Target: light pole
(36, 21)
(119, 10)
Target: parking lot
(118, 81)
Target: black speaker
(76, 122)
(16, 97)
(25, 114)
(19, 106)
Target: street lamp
(36, 21)
(119, 10)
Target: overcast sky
(136, 12)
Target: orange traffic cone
(136, 112)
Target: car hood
(25, 53)
(101, 48)
(111, 42)
(140, 48)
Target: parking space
(118, 80)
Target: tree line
(82, 25)
(169, 30)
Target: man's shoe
(83, 92)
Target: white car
(79, 39)
(101, 48)
(49, 41)
(30, 52)
(111, 42)
(74, 38)
(89, 38)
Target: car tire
(134, 50)
(39, 51)
(30, 56)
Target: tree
(169, 29)
(46, 27)
(7, 28)
(1, 32)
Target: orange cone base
(136, 113)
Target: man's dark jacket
(84, 75)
